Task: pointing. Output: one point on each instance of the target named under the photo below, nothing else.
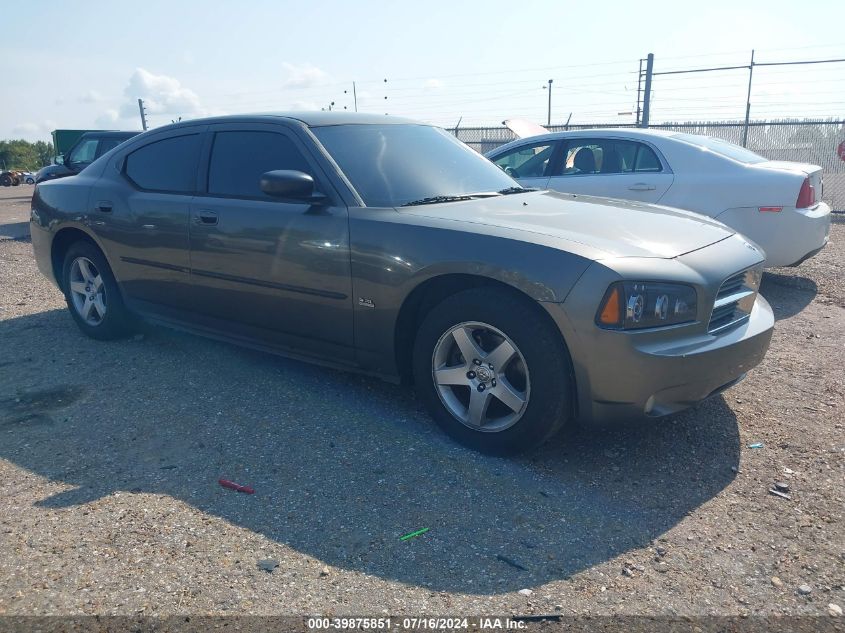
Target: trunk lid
(813, 172)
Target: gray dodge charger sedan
(386, 246)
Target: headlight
(631, 305)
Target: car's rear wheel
(6, 180)
(492, 371)
(91, 293)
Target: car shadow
(787, 294)
(342, 465)
(14, 230)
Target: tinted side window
(238, 159)
(108, 144)
(646, 159)
(83, 154)
(586, 156)
(169, 165)
(607, 156)
(526, 161)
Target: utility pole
(639, 92)
(143, 114)
(549, 116)
(649, 69)
(748, 101)
(355, 96)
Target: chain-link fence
(813, 142)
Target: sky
(84, 65)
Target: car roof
(633, 132)
(309, 118)
(607, 132)
(109, 134)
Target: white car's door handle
(642, 186)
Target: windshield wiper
(466, 196)
(510, 190)
(436, 199)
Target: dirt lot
(110, 455)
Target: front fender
(392, 259)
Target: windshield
(391, 165)
(721, 147)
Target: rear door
(530, 163)
(279, 271)
(143, 212)
(614, 168)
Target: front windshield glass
(725, 148)
(394, 164)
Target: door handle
(642, 186)
(205, 216)
(104, 206)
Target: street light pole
(549, 116)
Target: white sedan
(776, 204)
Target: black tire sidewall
(116, 322)
(549, 367)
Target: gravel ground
(110, 455)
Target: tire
(87, 274)
(30, 181)
(16, 181)
(6, 180)
(538, 371)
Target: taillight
(807, 195)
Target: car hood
(524, 128)
(619, 228)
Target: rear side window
(169, 165)
(608, 156)
(238, 159)
(646, 159)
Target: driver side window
(83, 154)
(526, 161)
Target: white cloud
(34, 131)
(304, 105)
(108, 119)
(434, 84)
(26, 129)
(162, 94)
(92, 96)
(304, 76)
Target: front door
(274, 270)
(529, 163)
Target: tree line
(25, 156)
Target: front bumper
(627, 375)
(630, 377)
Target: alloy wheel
(87, 291)
(481, 377)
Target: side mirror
(290, 185)
(59, 160)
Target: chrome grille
(735, 299)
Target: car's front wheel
(493, 372)
(91, 293)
